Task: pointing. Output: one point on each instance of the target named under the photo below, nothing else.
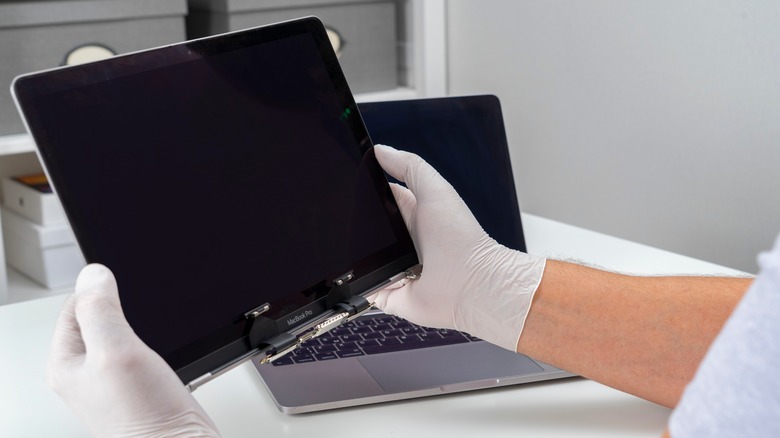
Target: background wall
(654, 121)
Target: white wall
(657, 121)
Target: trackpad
(434, 367)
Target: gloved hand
(111, 380)
(469, 282)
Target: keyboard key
(325, 356)
(327, 339)
(373, 335)
(450, 334)
(284, 360)
(303, 359)
(338, 331)
(368, 343)
(429, 336)
(350, 338)
(362, 329)
(385, 319)
(351, 352)
(391, 333)
(401, 324)
(311, 343)
(302, 351)
(324, 348)
(412, 330)
(346, 346)
(388, 341)
(430, 330)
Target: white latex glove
(111, 380)
(469, 281)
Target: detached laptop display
(216, 177)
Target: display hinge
(284, 344)
(414, 273)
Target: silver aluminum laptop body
(465, 140)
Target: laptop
(378, 357)
(230, 185)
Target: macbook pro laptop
(378, 357)
(230, 185)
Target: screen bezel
(193, 361)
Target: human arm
(113, 382)
(612, 319)
(642, 335)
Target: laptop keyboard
(372, 334)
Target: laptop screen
(463, 138)
(217, 175)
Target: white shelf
(14, 161)
(399, 93)
(16, 144)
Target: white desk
(241, 407)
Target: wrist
(498, 300)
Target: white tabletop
(240, 406)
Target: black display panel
(214, 176)
(464, 139)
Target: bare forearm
(642, 335)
